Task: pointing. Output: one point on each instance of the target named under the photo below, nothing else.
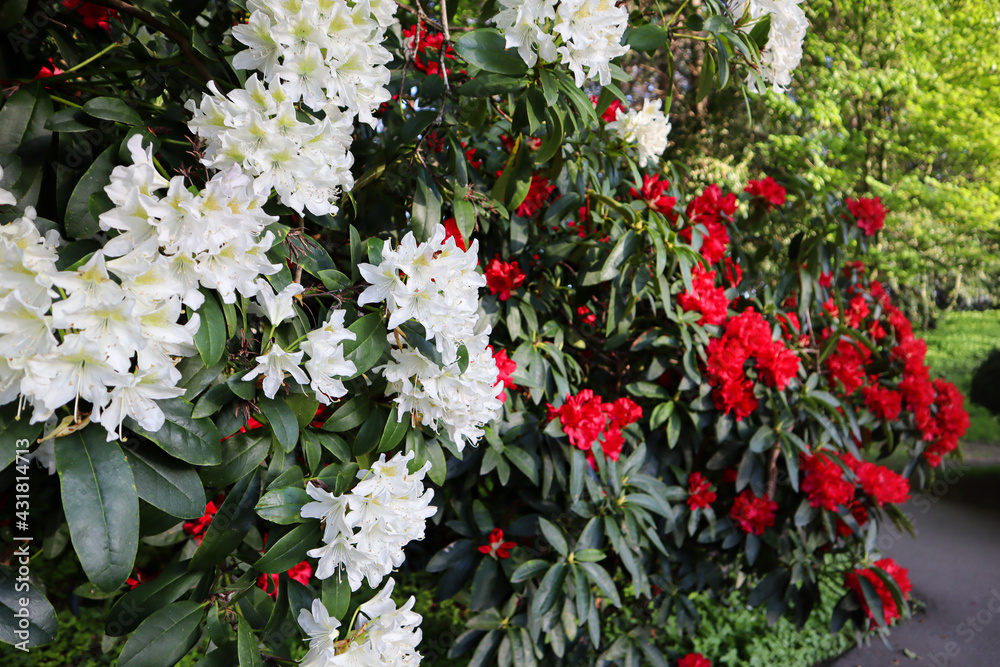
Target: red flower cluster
(197, 527)
(694, 660)
(470, 154)
(847, 365)
(869, 213)
(94, 16)
(882, 402)
(586, 417)
(428, 63)
(951, 421)
(889, 608)
(652, 193)
(882, 484)
(505, 367)
(733, 272)
(586, 316)
(700, 493)
(706, 298)
(452, 232)
(824, 482)
(502, 277)
(772, 193)
(747, 336)
(610, 114)
(301, 573)
(538, 196)
(711, 209)
(753, 514)
(496, 547)
(48, 70)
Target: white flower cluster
(384, 634)
(784, 43)
(169, 245)
(648, 129)
(590, 31)
(365, 530)
(325, 347)
(323, 51)
(436, 284)
(113, 344)
(307, 161)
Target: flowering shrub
(395, 302)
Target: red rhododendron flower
(882, 402)
(623, 411)
(752, 513)
(694, 660)
(652, 193)
(505, 368)
(48, 70)
(846, 365)
(772, 193)
(705, 298)
(538, 195)
(899, 575)
(700, 494)
(857, 309)
(197, 527)
(826, 279)
(824, 482)
(301, 573)
(94, 16)
(869, 213)
(733, 273)
(951, 421)
(141, 577)
(502, 277)
(582, 418)
(496, 547)
(470, 154)
(452, 232)
(882, 484)
(426, 50)
(586, 316)
(709, 209)
(611, 113)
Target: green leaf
(211, 336)
(484, 584)
(241, 454)
(465, 217)
(246, 643)
(10, 13)
(165, 637)
(101, 505)
(68, 120)
(41, 620)
(290, 549)
(137, 604)
(334, 280)
(588, 555)
(79, 221)
(554, 535)
(328, 441)
(528, 570)
(487, 84)
(15, 117)
(282, 421)
(231, 524)
(12, 430)
(762, 439)
(112, 108)
(195, 441)
(707, 76)
(394, 432)
(647, 38)
(761, 31)
(349, 415)
(600, 576)
(283, 506)
(548, 590)
(426, 213)
(167, 483)
(623, 250)
(370, 342)
(486, 49)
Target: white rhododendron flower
(278, 307)
(589, 33)
(326, 364)
(273, 365)
(384, 634)
(366, 529)
(647, 128)
(440, 291)
(6, 197)
(784, 43)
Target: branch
(422, 16)
(142, 15)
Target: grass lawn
(955, 348)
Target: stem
(60, 100)
(94, 57)
(421, 15)
(145, 17)
(444, 45)
(677, 13)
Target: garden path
(954, 566)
